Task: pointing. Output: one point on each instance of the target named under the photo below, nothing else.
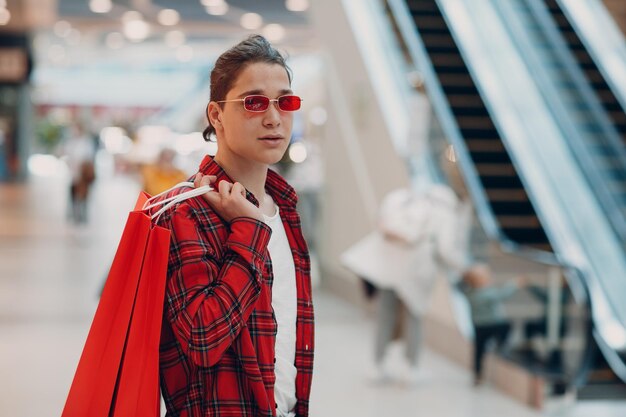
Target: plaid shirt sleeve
(209, 301)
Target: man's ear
(214, 114)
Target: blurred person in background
(79, 152)
(237, 336)
(488, 315)
(162, 174)
(421, 235)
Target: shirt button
(274, 360)
(306, 347)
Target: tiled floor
(50, 275)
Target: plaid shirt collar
(281, 192)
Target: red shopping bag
(117, 374)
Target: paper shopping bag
(117, 374)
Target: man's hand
(229, 201)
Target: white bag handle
(180, 197)
(147, 204)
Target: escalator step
(484, 145)
(519, 222)
(463, 100)
(449, 60)
(429, 23)
(469, 112)
(456, 80)
(583, 57)
(618, 117)
(496, 170)
(570, 37)
(451, 89)
(512, 182)
(470, 133)
(612, 106)
(595, 77)
(542, 246)
(490, 157)
(438, 40)
(559, 17)
(475, 122)
(606, 95)
(497, 195)
(513, 208)
(422, 6)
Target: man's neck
(251, 176)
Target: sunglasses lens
(289, 103)
(256, 103)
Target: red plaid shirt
(219, 328)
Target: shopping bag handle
(147, 205)
(177, 199)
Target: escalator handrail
(575, 141)
(602, 39)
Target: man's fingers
(200, 180)
(239, 189)
(197, 181)
(224, 188)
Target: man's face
(250, 137)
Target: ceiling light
(136, 30)
(131, 15)
(274, 32)
(251, 21)
(210, 3)
(168, 17)
(217, 10)
(114, 40)
(174, 38)
(5, 16)
(297, 152)
(100, 6)
(297, 5)
(62, 28)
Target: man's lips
(271, 137)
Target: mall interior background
(517, 104)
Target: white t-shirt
(284, 303)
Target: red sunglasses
(258, 103)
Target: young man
(238, 323)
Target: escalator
(487, 135)
(503, 188)
(580, 99)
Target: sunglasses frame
(271, 100)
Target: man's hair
(231, 63)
